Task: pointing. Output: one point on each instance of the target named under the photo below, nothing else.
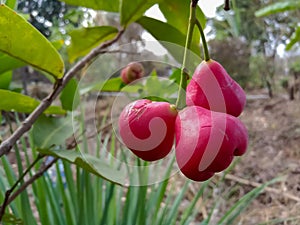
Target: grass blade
(243, 203)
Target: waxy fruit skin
(212, 88)
(148, 128)
(131, 72)
(207, 141)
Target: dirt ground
(274, 151)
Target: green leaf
(113, 84)
(5, 80)
(90, 163)
(294, 39)
(85, 39)
(175, 76)
(11, 219)
(278, 7)
(156, 99)
(132, 10)
(58, 44)
(8, 62)
(110, 85)
(70, 96)
(21, 40)
(110, 5)
(11, 3)
(167, 34)
(51, 131)
(12, 101)
(181, 17)
(161, 89)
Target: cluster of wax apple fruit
(207, 132)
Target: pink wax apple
(207, 141)
(148, 128)
(212, 88)
(131, 72)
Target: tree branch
(6, 145)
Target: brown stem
(194, 3)
(226, 5)
(6, 145)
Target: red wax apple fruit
(148, 128)
(207, 141)
(212, 88)
(131, 72)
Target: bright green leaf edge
(12, 101)
(294, 39)
(90, 163)
(21, 40)
(278, 7)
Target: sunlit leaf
(85, 39)
(131, 10)
(12, 101)
(21, 40)
(51, 131)
(70, 95)
(108, 5)
(90, 163)
(8, 62)
(278, 7)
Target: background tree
(47, 16)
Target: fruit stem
(180, 103)
(226, 5)
(204, 43)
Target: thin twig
(10, 191)
(119, 51)
(268, 189)
(7, 144)
(38, 174)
